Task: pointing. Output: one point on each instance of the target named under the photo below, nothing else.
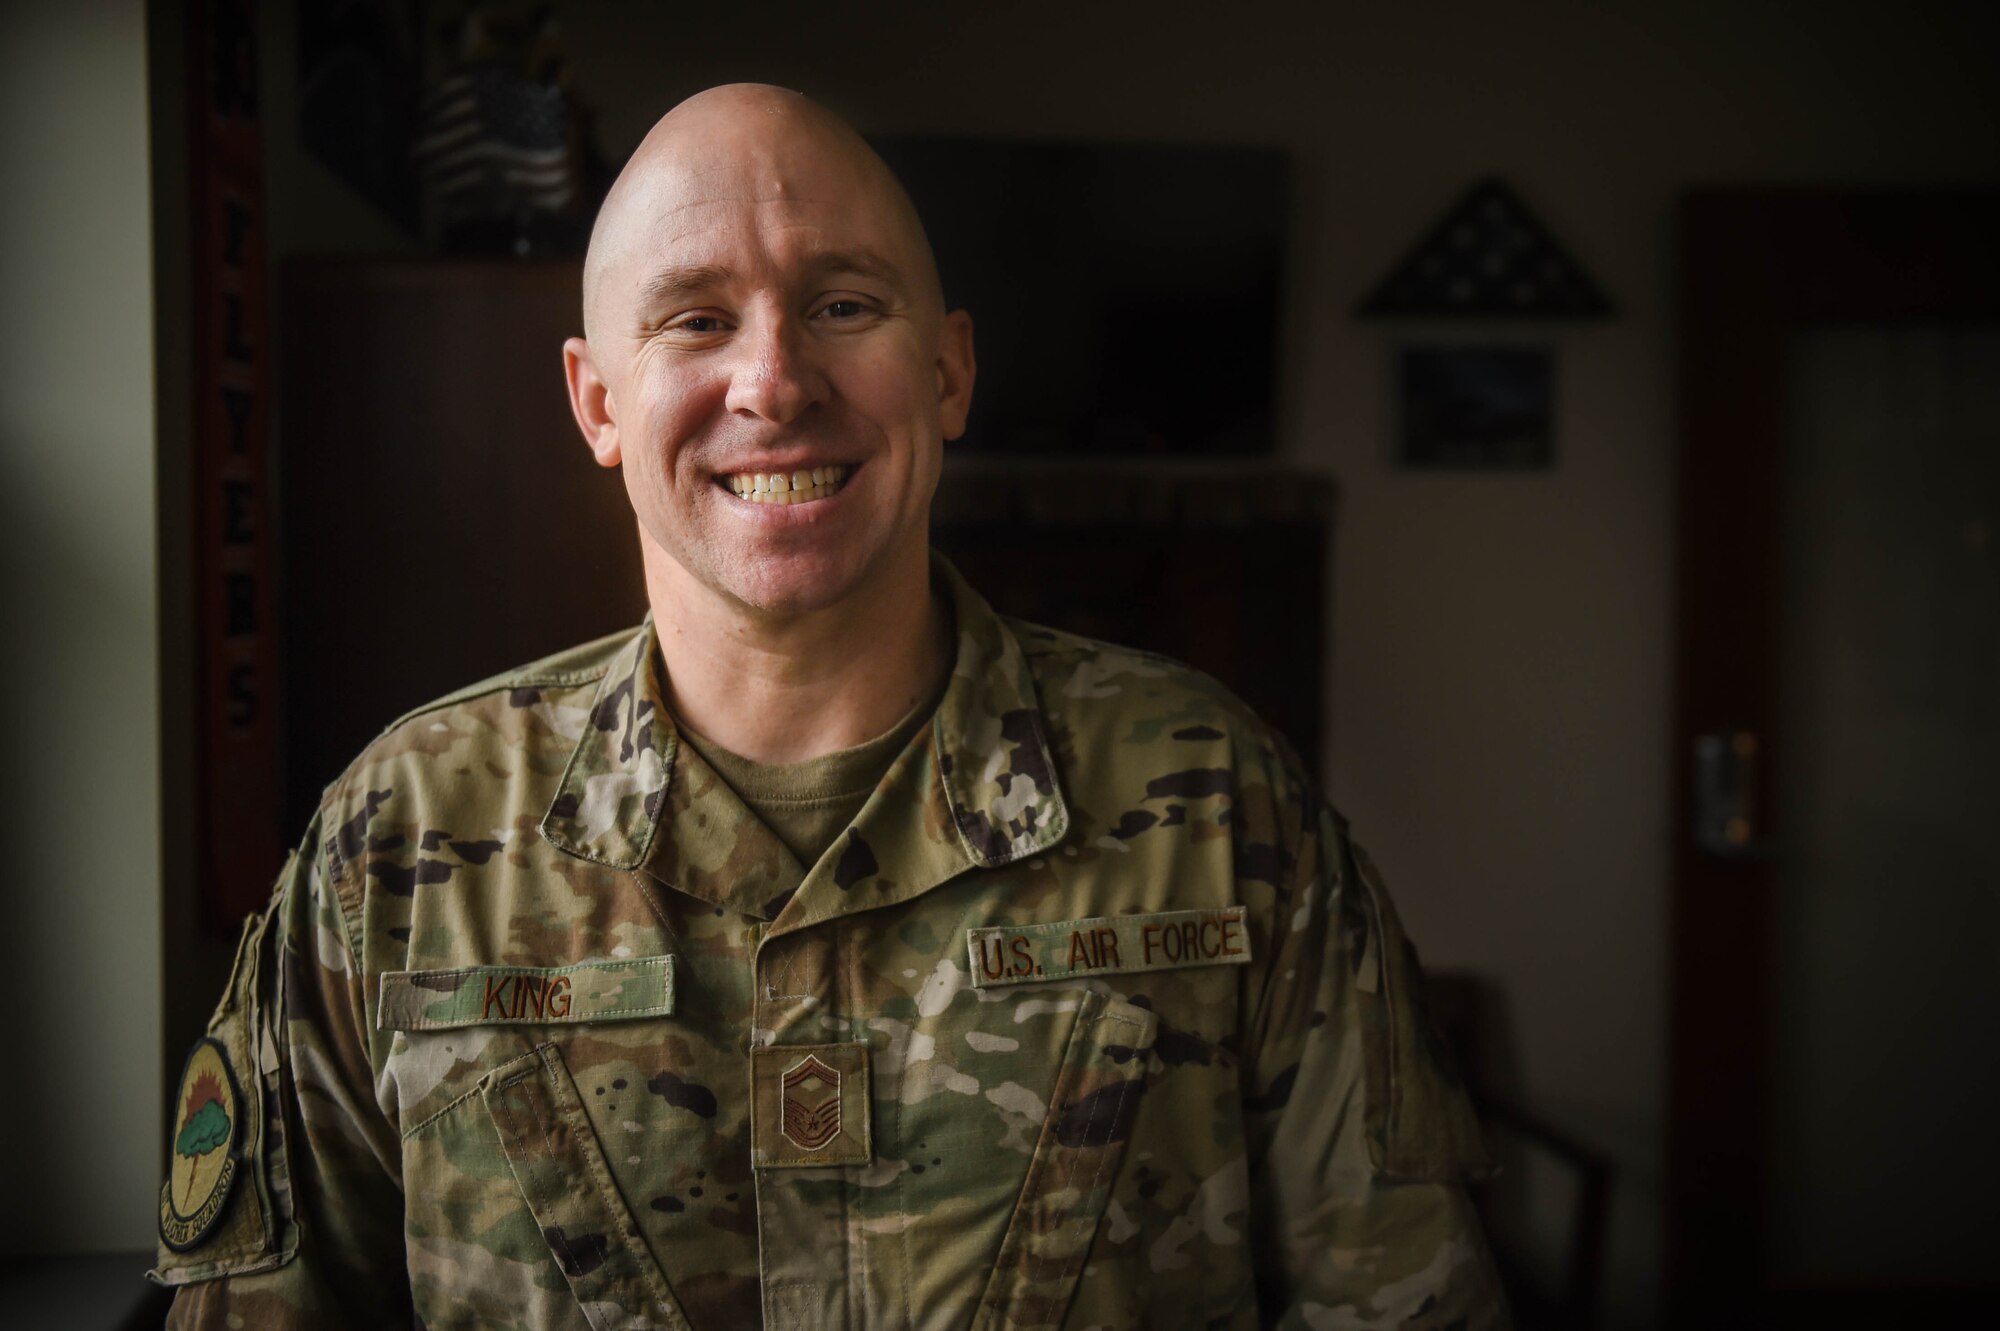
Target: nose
(775, 376)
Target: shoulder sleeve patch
(207, 1122)
(225, 1207)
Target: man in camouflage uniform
(828, 952)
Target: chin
(793, 585)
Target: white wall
(1501, 672)
(80, 908)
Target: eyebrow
(670, 284)
(861, 263)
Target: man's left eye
(843, 309)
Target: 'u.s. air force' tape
(1112, 945)
(526, 995)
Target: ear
(590, 402)
(955, 372)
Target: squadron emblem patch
(812, 1103)
(203, 1166)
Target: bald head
(746, 143)
(760, 304)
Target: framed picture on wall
(1476, 407)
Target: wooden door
(1765, 275)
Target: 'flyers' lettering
(1111, 945)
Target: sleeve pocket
(1420, 1123)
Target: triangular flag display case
(1490, 257)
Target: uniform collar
(991, 742)
(977, 787)
(607, 808)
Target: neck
(782, 688)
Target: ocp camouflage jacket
(1094, 1018)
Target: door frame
(1758, 267)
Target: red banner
(239, 840)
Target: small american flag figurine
(498, 145)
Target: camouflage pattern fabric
(553, 1033)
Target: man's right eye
(700, 323)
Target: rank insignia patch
(812, 1104)
(203, 1165)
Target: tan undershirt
(809, 804)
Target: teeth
(799, 487)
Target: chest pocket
(513, 1216)
(1091, 1112)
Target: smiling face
(768, 357)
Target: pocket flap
(556, 1160)
(1091, 1112)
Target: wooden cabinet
(440, 516)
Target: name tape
(1112, 945)
(526, 995)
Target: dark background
(1497, 690)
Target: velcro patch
(810, 1106)
(526, 995)
(1111, 945)
(208, 1144)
